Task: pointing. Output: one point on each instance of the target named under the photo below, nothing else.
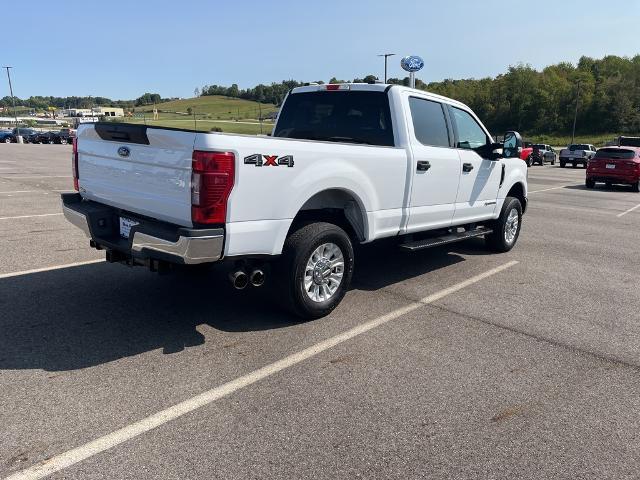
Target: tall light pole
(13, 99)
(386, 56)
(575, 114)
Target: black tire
(292, 266)
(530, 161)
(497, 241)
(589, 183)
(63, 141)
(562, 164)
(636, 186)
(553, 160)
(608, 185)
(575, 165)
(7, 140)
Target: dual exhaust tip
(241, 280)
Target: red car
(527, 153)
(615, 165)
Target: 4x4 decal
(260, 160)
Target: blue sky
(121, 49)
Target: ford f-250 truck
(346, 164)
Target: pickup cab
(345, 164)
(577, 153)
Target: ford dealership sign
(412, 63)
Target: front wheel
(553, 160)
(315, 269)
(530, 161)
(506, 229)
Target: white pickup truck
(348, 163)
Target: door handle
(423, 166)
(467, 167)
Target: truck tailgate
(140, 169)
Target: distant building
(88, 112)
(108, 112)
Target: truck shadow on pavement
(85, 316)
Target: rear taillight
(74, 164)
(212, 179)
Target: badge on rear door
(124, 151)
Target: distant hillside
(210, 106)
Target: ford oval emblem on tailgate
(124, 151)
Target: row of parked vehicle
(612, 165)
(29, 135)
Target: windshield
(579, 147)
(337, 116)
(615, 153)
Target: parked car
(624, 141)
(543, 153)
(615, 165)
(351, 163)
(525, 153)
(578, 153)
(68, 133)
(25, 133)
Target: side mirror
(512, 145)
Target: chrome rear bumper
(147, 240)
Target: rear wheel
(636, 186)
(63, 141)
(315, 269)
(506, 229)
(562, 164)
(590, 183)
(529, 160)
(553, 160)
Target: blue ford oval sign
(412, 63)
(123, 152)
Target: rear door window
(361, 117)
(429, 122)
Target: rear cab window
(359, 117)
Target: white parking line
(37, 176)
(110, 440)
(628, 211)
(552, 188)
(47, 269)
(30, 216)
(44, 192)
(21, 191)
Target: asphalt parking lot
(445, 363)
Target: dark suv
(543, 153)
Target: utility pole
(13, 99)
(386, 56)
(575, 115)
